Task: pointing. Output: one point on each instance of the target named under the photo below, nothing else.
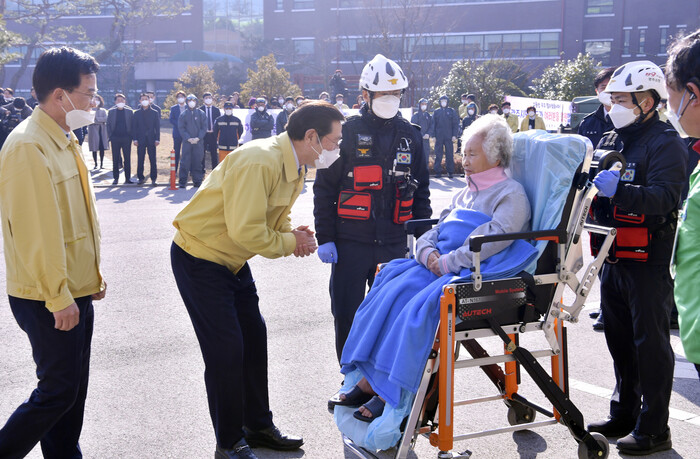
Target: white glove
(426, 136)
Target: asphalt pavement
(147, 396)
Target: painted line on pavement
(592, 389)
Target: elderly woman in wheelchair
(395, 325)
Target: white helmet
(382, 74)
(638, 76)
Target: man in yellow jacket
(242, 210)
(532, 120)
(52, 253)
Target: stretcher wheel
(520, 414)
(584, 453)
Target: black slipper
(352, 399)
(375, 406)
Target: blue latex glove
(328, 253)
(606, 182)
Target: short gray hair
(497, 138)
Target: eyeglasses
(336, 144)
(89, 94)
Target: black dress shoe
(612, 427)
(599, 323)
(639, 444)
(141, 181)
(272, 438)
(128, 182)
(115, 182)
(594, 314)
(240, 450)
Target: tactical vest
(377, 184)
(634, 231)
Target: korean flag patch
(628, 176)
(403, 157)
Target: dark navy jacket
(174, 116)
(145, 126)
(656, 161)
(261, 124)
(227, 132)
(424, 120)
(594, 125)
(445, 123)
(370, 140)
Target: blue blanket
(395, 325)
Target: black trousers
(636, 300)
(121, 155)
(232, 336)
(350, 277)
(53, 414)
(444, 145)
(212, 147)
(177, 146)
(141, 155)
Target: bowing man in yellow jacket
(242, 210)
(52, 252)
(532, 120)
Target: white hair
(497, 138)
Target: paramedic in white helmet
(362, 200)
(635, 283)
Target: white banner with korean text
(553, 112)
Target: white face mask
(622, 116)
(192, 103)
(208, 101)
(120, 104)
(494, 112)
(228, 112)
(470, 112)
(261, 108)
(339, 102)
(289, 106)
(326, 157)
(386, 107)
(151, 99)
(506, 111)
(145, 103)
(180, 100)
(675, 119)
(75, 119)
(443, 103)
(531, 115)
(424, 107)
(604, 98)
(281, 101)
(464, 101)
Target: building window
(600, 50)
(626, 41)
(663, 39)
(279, 5)
(680, 31)
(303, 4)
(599, 6)
(304, 46)
(642, 41)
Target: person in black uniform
(424, 119)
(362, 200)
(593, 126)
(228, 130)
(146, 131)
(636, 286)
(261, 122)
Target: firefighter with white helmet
(362, 200)
(636, 286)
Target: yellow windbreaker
(243, 207)
(49, 218)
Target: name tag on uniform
(364, 146)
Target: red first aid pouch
(367, 178)
(354, 205)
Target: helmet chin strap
(642, 116)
